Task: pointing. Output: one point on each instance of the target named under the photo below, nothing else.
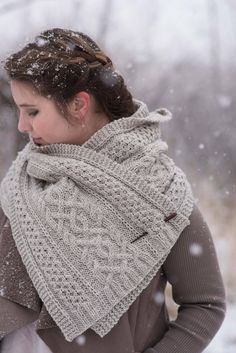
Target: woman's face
(40, 119)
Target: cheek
(42, 126)
(46, 126)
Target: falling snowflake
(195, 249)
(81, 340)
(2, 291)
(178, 152)
(41, 42)
(159, 298)
(224, 101)
(29, 72)
(70, 47)
(129, 66)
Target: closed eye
(34, 113)
(17, 111)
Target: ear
(80, 105)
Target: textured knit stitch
(92, 223)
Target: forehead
(24, 93)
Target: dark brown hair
(60, 63)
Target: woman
(96, 218)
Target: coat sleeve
(193, 271)
(19, 301)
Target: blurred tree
(214, 45)
(104, 21)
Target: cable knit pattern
(94, 223)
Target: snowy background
(179, 54)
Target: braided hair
(59, 63)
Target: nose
(24, 124)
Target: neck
(98, 121)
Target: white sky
(177, 30)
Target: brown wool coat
(191, 268)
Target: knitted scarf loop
(93, 223)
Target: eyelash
(33, 113)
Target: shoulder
(196, 213)
(197, 222)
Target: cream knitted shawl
(94, 223)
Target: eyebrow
(26, 105)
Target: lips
(36, 140)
